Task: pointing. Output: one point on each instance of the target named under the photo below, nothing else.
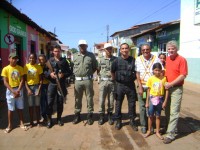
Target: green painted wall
(3, 27)
(193, 70)
(16, 27)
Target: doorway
(18, 47)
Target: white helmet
(82, 42)
(106, 45)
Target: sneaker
(49, 124)
(167, 140)
(118, 124)
(143, 130)
(77, 118)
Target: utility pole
(107, 28)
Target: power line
(156, 11)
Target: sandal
(147, 134)
(7, 130)
(24, 128)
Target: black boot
(101, 119)
(89, 119)
(59, 121)
(110, 119)
(49, 122)
(77, 118)
(118, 124)
(133, 124)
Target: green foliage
(73, 50)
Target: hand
(53, 75)
(30, 92)
(168, 85)
(16, 94)
(140, 91)
(164, 105)
(147, 105)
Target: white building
(190, 37)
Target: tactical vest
(125, 70)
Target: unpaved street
(96, 137)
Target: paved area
(105, 137)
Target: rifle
(57, 81)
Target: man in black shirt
(59, 69)
(123, 72)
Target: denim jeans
(173, 109)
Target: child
(13, 80)
(33, 81)
(162, 58)
(45, 83)
(155, 97)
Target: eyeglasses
(145, 49)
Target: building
(190, 37)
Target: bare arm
(140, 89)
(166, 98)
(15, 93)
(147, 98)
(179, 79)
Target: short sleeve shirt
(84, 65)
(176, 67)
(156, 85)
(105, 66)
(32, 72)
(14, 75)
(144, 67)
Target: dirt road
(96, 137)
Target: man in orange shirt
(176, 72)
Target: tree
(73, 50)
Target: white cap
(82, 42)
(106, 45)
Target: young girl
(155, 97)
(162, 58)
(33, 82)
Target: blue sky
(87, 19)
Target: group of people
(159, 86)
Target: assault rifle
(57, 81)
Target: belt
(15, 87)
(82, 78)
(177, 85)
(106, 79)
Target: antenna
(107, 28)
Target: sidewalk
(192, 86)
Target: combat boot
(101, 119)
(89, 119)
(77, 118)
(133, 124)
(118, 124)
(110, 118)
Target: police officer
(106, 86)
(123, 71)
(59, 69)
(85, 64)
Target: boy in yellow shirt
(13, 80)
